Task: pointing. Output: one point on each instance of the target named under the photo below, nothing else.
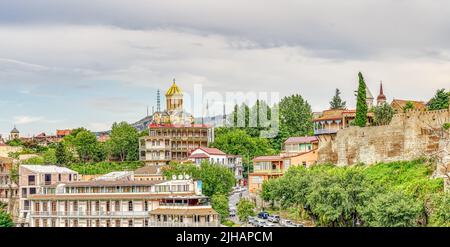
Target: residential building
(216, 156)
(173, 203)
(300, 144)
(149, 173)
(63, 133)
(264, 168)
(172, 133)
(33, 177)
(8, 187)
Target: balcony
(271, 171)
(86, 214)
(325, 131)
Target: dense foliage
(93, 168)
(245, 208)
(5, 219)
(124, 142)
(385, 194)
(440, 100)
(216, 179)
(361, 103)
(220, 203)
(337, 102)
(383, 114)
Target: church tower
(14, 134)
(174, 98)
(381, 99)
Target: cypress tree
(361, 104)
(337, 102)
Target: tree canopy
(361, 103)
(337, 102)
(440, 100)
(124, 142)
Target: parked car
(261, 223)
(298, 225)
(284, 222)
(252, 220)
(274, 218)
(263, 215)
(268, 224)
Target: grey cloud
(339, 29)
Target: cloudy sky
(71, 63)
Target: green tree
(124, 142)
(219, 202)
(408, 106)
(238, 142)
(440, 209)
(383, 114)
(62, 154)
(50, 156)
(337, 102)
(216, 179)
(85, 143)
(361, 103)
(440, 100)
(392, 209)
(245, 209)
(295, 119)
(5, 219)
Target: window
(59, 177)
(70, 177)
(117, 206)
(53, 224)
(75, 223)
(117, 223)
(24, 192)
(108, 223)
(145, 222)
(108, 206)
(75, 206)
(304, 163)
(37, 207)
(97, 223)
(130, 206)
(48, 179)
(145, 206)
(31, 180)
(97, 206)
(32, 191)
(36, 222)
(130, 223)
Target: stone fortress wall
(410, 135)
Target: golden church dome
(174, 89)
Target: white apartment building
(122, 203)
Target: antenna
(158, 101)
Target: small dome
(174, 89)
(15, 131)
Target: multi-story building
(297, 151)
(172, 133)
(265, 168)
(216, 156)
(33, 177)
(174, 203)
(8, 187)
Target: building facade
(9, 192)
(174, 203)
(32, 178)
(172, 133)
(216, 156)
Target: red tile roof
(213, 151)
(179, 126)
(301, 139)
(63, 132)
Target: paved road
(234, 199)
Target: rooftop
(301, 139)
(211, 151)
(268, 158)
(113, 176)
(48, 169)
(149, 170)
(400, 103)
(184, 211)
(109, 183)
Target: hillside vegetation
(384, 194)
